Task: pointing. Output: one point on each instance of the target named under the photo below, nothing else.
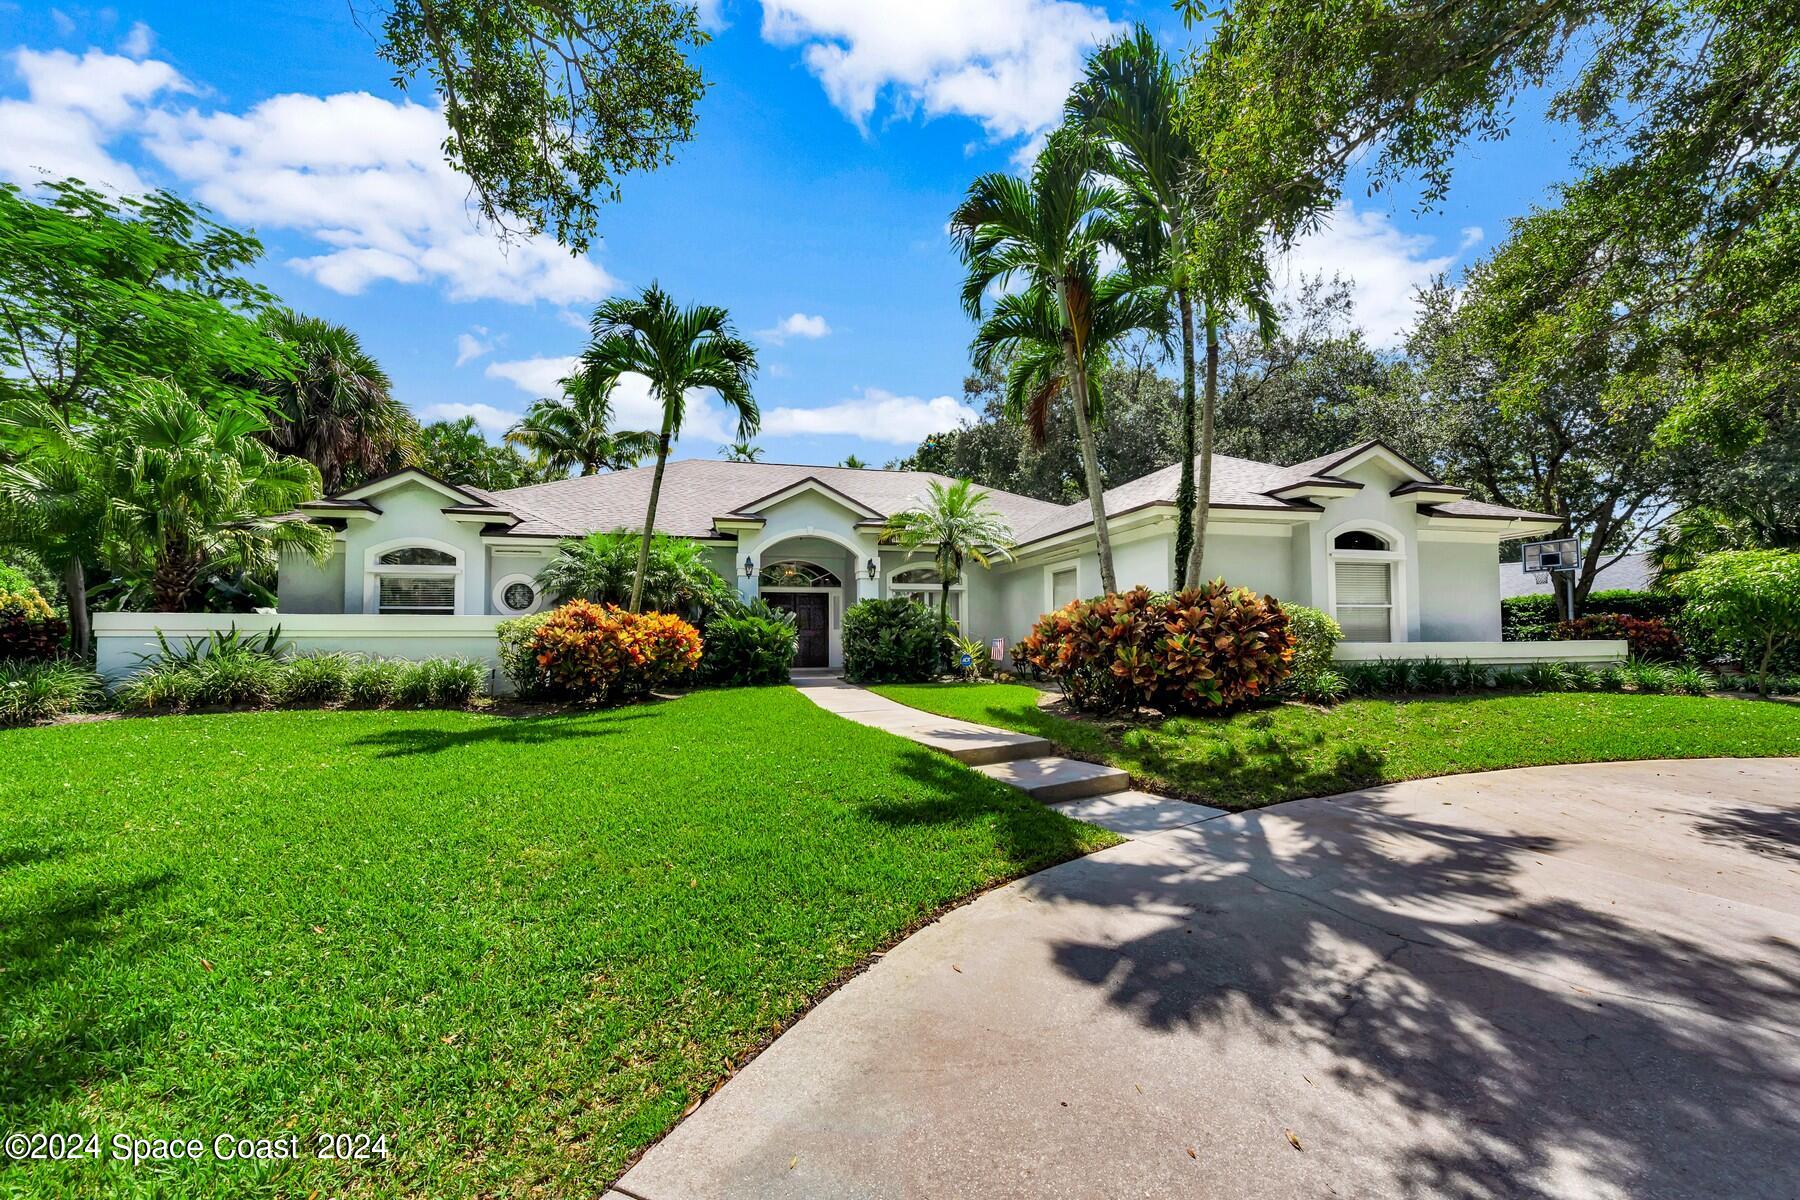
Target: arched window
(1366, 585)
(797, 573)
(415, 580)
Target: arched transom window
(797, 573)
(416, 580)
(924, 585)
(1366, 585)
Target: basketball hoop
(1540, 577)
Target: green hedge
(1529, 618)
(890, 641)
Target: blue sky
(835, 140)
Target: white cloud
(1006, 63)
(1384, 265)
(797, 325)
(877, 415)
(534, 376)
(363, 177)
(473, 344)
(138, 40)
(493, 421)
(74, 109)
(712, 15)
(65, 24)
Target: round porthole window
(516, 594)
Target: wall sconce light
(749, 566)
(873, 567)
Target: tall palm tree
(677, 350)
(1129, 101)
(1049, 231)
(741, 452)
(572, 434)
(958, 523)
(854, 463)
(192, 490)
(337, 409)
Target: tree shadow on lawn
(949, 793)
(527, 731)
(1410, 954)
(59, 1033)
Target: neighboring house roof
(1634, 572)
(697, 493)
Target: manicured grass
(1286, 752)
(517, 948)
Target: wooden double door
(812, 618)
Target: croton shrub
(1205, 649)
(1650, 638)
(586, 651)
(29, 627)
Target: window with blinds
(1062, 588)
(418, 594)
(1365, 601)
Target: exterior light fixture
(873, 567)
(749, 566)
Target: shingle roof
(695, 490)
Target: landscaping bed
(1289, 751)
(518, 949)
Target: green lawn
(1283, 753)
(519, 949)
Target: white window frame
(506, 581)
(1050, 574)
(374, 570)
(931, 591)
(1395, 559)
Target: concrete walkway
(1091, 792)
(1560, 982)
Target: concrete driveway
(1559, 982)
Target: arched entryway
(814, 594)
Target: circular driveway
(1559, 982)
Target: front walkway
(1559, 982)
(1099, 795)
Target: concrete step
(1137, 814)
(976, 745)
(1052, 779)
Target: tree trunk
(1090, 465)
(75, 584)
(1762, 670)
(1208, 409)
(1184, 492)
(643, 566)
(943, 619)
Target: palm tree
(50, 497)
(958, 522)
(598, 567)
(191, 491)
(572, 434)
(677, 350)
(337, 410)
(1129, 101)
(1049, 230)
(854, 463)
(741, 452)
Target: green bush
(29, 627)
(981, 659)
(234, 679)
(518, 660)
(1647, 676)
(39, 690)
(316, 679)
(1749, 599)
(21, 571)
(1324, 687)
(1692, 679)
(1466, 676)
(375, 682)
(1522, 618)
(748, 644)
(601, 568)
(1205, 649)
(889, 641)
(1315, 635)
(156, 688)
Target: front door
(810, 618)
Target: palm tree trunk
(1203, 501)
(1090, 465)
(1184, 492)
(943, 619)
(643, 564)
(75, 584)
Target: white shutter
(1365, 600)
(1062, 588)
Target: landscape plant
(40, 689)
(609, 655)
(29, 627)
(1647, 637)
(958, 522)
(748, 644)
(603, 568)
(574, 432)
(892, 640)
(1315, 636)
(1206, 649)
(1750, 598)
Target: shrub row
(1523, 618)
(1435, 676)
(247, 678)
(38, 690)
(1201, 650)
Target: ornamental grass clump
(606, 655)
(1206, 649)
(37, 690)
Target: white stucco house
(420, 567)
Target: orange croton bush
(1201, 650)
(599, 652)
